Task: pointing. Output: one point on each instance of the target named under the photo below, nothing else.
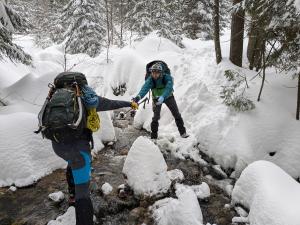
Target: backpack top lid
(66, 79)
(165, 68)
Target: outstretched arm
(106, 104)
(169, 86)
(146, 87)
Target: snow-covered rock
(176, 175)
(146, 169)
(182, 211)
(12, 188)
(202, 191)
(106, 188)
(271, 195)
(57, 196)
(66, 219)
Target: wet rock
(218, 173)
(137, 215)
(124, 151)
(112, 205)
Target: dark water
(31, 206)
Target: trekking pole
(144, 101)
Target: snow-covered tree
(167, 20)
(279, 36)
(87, 27)
(140, 18)
(10, 22)
(197, 18)
(278, 24)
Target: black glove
(136, 99)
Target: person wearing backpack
(68, 118)
(159, 80)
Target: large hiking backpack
(63, 115)
(165, 71)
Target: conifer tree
(141, 20)
(167, 22)
(10, 22)
(86, 31)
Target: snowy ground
(234, 140)
(272, 196)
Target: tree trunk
(107, 29)
(252, 41)
(298, 99)
(256, 36)
(237, 36)
(111, 22)
(264, 70)
(121, 25)
(217, 32)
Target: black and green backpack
(63, 115)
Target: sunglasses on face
(155, 71)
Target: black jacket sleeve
(108, 104)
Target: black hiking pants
(172, 105)
(78, 156)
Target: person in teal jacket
(161, 85)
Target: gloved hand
(134, 105)
(160, 100)
(136, 99)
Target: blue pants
(78, 156)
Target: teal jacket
(163, 86)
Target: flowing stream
(31, 206)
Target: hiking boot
(184, 135)
(153, 135)
(71, 200)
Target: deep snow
(233, 139)
(270, 194)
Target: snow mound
(129, 68)
(106, 133)
(152, 45)
(269, 132)
(106, 188)
(30, 89)
(297, 5)
(57, 196)
(271, 195)
(66, 219)
(182, 211)
(24, 156)
(176, 175)
(202, 191)
(10, 73)
(146, 169)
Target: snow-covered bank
(270, 194)
(24, 156)
(233, 139)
